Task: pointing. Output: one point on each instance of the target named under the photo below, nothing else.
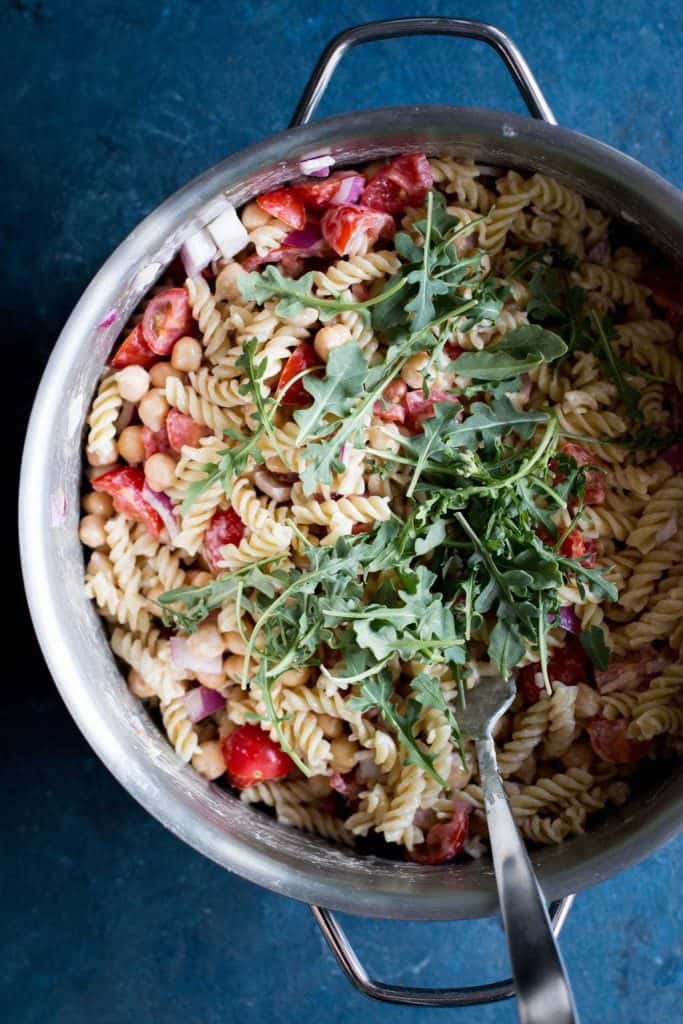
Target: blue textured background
(107, 108)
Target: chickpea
(198, 578)
(214, 680)
(102, 457)
(91, 531)
(131, 447)
(331, 727)
(330, 337)
(294, 676)
(233, 666)
(343, 754)
(225, 726)
(618, 793)
(186, 355)
(133, 383)
(587, 702)
(96, 471)
(99, 562)
(206, 642)
(208, 760)
(138, 687)
(234, 643)
(98, 504)
(153, 409)
(412, 369)
(159, 373)
(254, 217)
(226, 283)
(160, 471)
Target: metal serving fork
(543, 992)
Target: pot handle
(471, 995)
(395, 27)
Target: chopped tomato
(631, 672)
(580, 456)
(126, 484)
(596, 485)
(526, 683)
(667, 293)
(225, 527)
(419, 408)
(444, 840)
(362, 528)
(285, 204)
(344, 227)
(569, 664)
(134, 351)
(390, 412)
(573, 545)
(183, 430)
(610, 742)
(251, 756)
(155, 441)
(168, 316)
(452, 350)
(395, 391)
(403, 182)
(590, 554)
(304, 357)
(318, 195)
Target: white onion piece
(318, 166)
(162, 504)
(197, 252)
(489, 171)
(184, 658)
(202, 702)
(271, 486)
(228, 232)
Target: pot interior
(72, 636)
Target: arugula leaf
(530, 338)
(378, 693)
(593, 643)
(519, 351)
(427, 692)
(336, 393)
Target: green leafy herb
(593, 643)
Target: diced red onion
(202, 702)
(317, 166)
(183, 657)
(228, 232)
(162, 504)
(344, 454)
(600, 252)
(125, 416)
(306, 238)
(110, 318)
(569, 620)
(350, 189)
(368, 771)
(271, 486)
(674, 456)
(197, 252)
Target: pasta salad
(390, 432)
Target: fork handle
(543, 992)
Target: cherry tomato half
(444, 840)
(134, 351)
(168, 316)
(251, 756)
(345, 227)
(225, 527)
(403, 182)
(285, 204)
(304, 357)
(125, 484)
(610, 742)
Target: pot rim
(593, 168)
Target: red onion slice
(350, 188)
(202, 702)
(184, 658)
(162, 504)
(569, 620)
(110, 318)
(306, 238)
(317, 166)
(197, 252)
(270, 485)
(228, 232)
(125, 416)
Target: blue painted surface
(107, 108)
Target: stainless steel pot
(70, 632)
